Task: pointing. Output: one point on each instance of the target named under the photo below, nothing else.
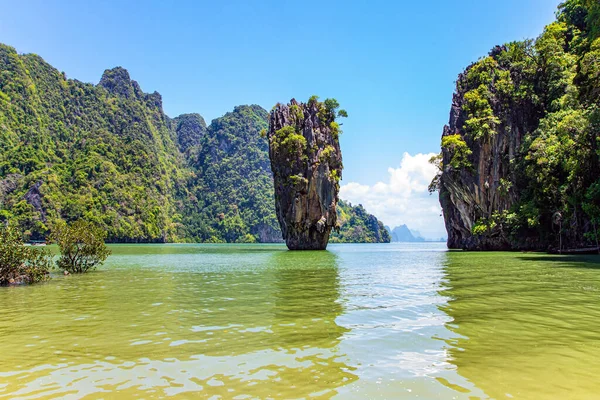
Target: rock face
(520, 162)
(189, 129)
(307, 165)
(472, 185)
(118, 82)
(34, 197)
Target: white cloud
(404, 199)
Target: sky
(391, 64)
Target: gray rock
(306, 173)
(470, 194)
(34, 197)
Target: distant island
(404, 234)
(108, 154)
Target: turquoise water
(257, 321)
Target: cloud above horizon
(404, 199)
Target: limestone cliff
(476, 168)
(520, 157)
(306, 161)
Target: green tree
(591, 206)
(20, 263)
(459, 150)
(81, 246)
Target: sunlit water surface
(357, 321)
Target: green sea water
(388, 321)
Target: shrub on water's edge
(81, 245)
(20, 263)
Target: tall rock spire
(306, 161)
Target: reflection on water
(526, 326)
(256, 321)
(159, 322)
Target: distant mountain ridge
(109, 154)
(404, 234)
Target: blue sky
(391, 64)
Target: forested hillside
(107, 153)
(357, 225)
(520, 157)
(231, 190)
(70, 149)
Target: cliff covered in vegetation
(519, 167)
(306, 161)
(358, 226)
(107, 153)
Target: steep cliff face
(231, 190)
(479, 166)
(73, 150)
(520, 163)
(306, 161)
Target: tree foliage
(459, 149)
(20, 263)
(81, 246)
(358, 226)
(230, 193)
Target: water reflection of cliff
(306, 300)
(523, 326)
(272, 316)
(260, 323)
